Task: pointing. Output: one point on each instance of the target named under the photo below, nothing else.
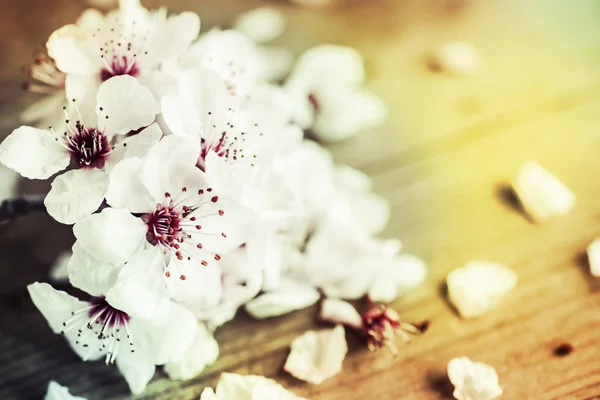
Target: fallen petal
(479, 286)
(542, 195)
(273, 304)
(473, 380)
(317, 355)
(593, 252)
(340, 312)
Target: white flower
(229, 53)
(123, 106)
(542, 195)
(326, 88)
(235, 150)
(58, 270)
(97, 328)
(58, 392)
(317, 355)
(473, 380)
(8, 183)
(479, 286)
(249, 387)
(203, 352)
(182, 227)
(130, 41)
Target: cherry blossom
(96, 328)
(181, 225)
(326, 88)
(130, 41)
(123, 106)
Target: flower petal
(201, 285)
(542, 195)
(479, 286)
(340, 312)
(261, 24)
(593, 253)
(53, 304)
(473, 380)
(251, 387)
(58, 392)
(127, 104)
(273, 304)
(317, 355)
(203, 352)
(173, 37)
(125, 188)
(89, 274)
(83, 89)
(112, 235)
(74, 50)
(58, 270)
(207, 394)
(395, 276)
(140, 289)
(76, 194)
(137, 369)
(33, 153)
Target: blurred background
(444, 159)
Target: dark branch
(12, 208)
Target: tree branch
(13, 208)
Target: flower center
(88, 146)
(382, 325)
(50, 79)
(119, 65)
(181, 224)
(163, 227)
(99, 327)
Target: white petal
(44, 109)
(173, 37)
(344, 112)
(261, 24)
(89, 274)
(169, 151)
(33, 153)
(456, 58)
(396, 276)
(53, 304)
(473, 380)
(58, 392)
(140, 289)
(479, 286)
(273, 304)
(140, 144)
(340, 312)
(74, 50)
(76, 194)
(112, 235)
(317, 355)
(126, 189)
(542, 195)
(58, 269)
(83, 89)
(352, 179)
(593, 252)
(275, 61)
(202, 285)
(137, 369)
(127, 104)
(251, 387)
(207, 394)
(203, 352)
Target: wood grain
(444, 160)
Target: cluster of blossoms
(191, 190)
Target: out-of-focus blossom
(248, 387)
(456, 58)
(325, 86)
(58, 392)
(261, 24)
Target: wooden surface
(443, 160)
